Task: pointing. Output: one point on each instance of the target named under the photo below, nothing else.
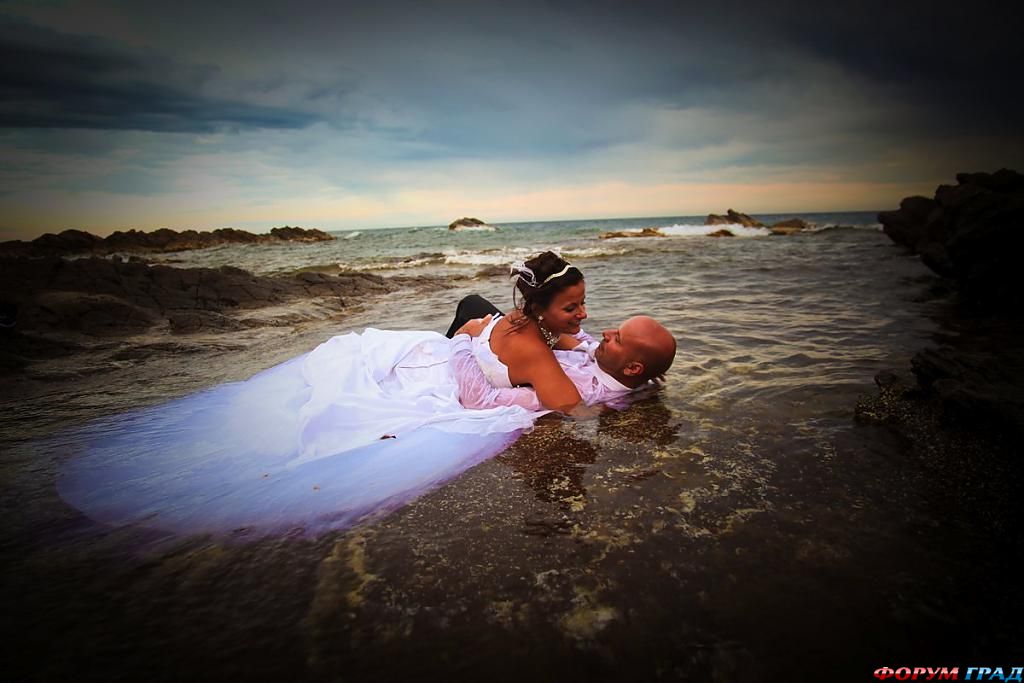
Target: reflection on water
(732, 525)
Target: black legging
(472, 306)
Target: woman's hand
(475, 326)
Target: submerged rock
(492, 271)
(103, 297)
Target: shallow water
(736, 524)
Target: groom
(627, 357)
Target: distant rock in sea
(643, 232)
(721, 233)
(467, 223)
(786, 227)
(733, 218)
(163, 240)
(789, 226)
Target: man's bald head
(638, 350)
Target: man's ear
(633, 368)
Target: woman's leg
(472, 306)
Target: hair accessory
(560, 273)
(524, 272)
(528, 277)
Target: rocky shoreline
(969, 234)
(55, 307)
(75, 242)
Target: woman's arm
(530, 361)
(475, 392)
(536, 365)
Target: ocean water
(732, 525)
(438, 250)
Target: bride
(362, 424)
(516, 349)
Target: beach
(738, 523)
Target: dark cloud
(957, 62)
(54, 80)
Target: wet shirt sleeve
(475, 391)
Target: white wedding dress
(360, 425)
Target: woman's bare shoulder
(519, 346)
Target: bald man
(626, 358)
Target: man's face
(617, 348)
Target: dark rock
(1003, 181)
(468, 222)
(792, 223)
(162, 240)
(18, 350)
(789, 226)
(906, 226)
(971, 233)
(291, 234)
(172, 348)
(188, 322)
(733, 218)
(492, 271)
(644, 232)
(91, 314)
(68, 241)
(721, 233)
(102, 297)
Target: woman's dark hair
(543, 277)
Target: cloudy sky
(120, 114)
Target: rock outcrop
(104, 297)
(71, 242)
(467, 223)
(733, 218)
(643, 232)
(789, 226)
(296, 234)
(971, 233)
